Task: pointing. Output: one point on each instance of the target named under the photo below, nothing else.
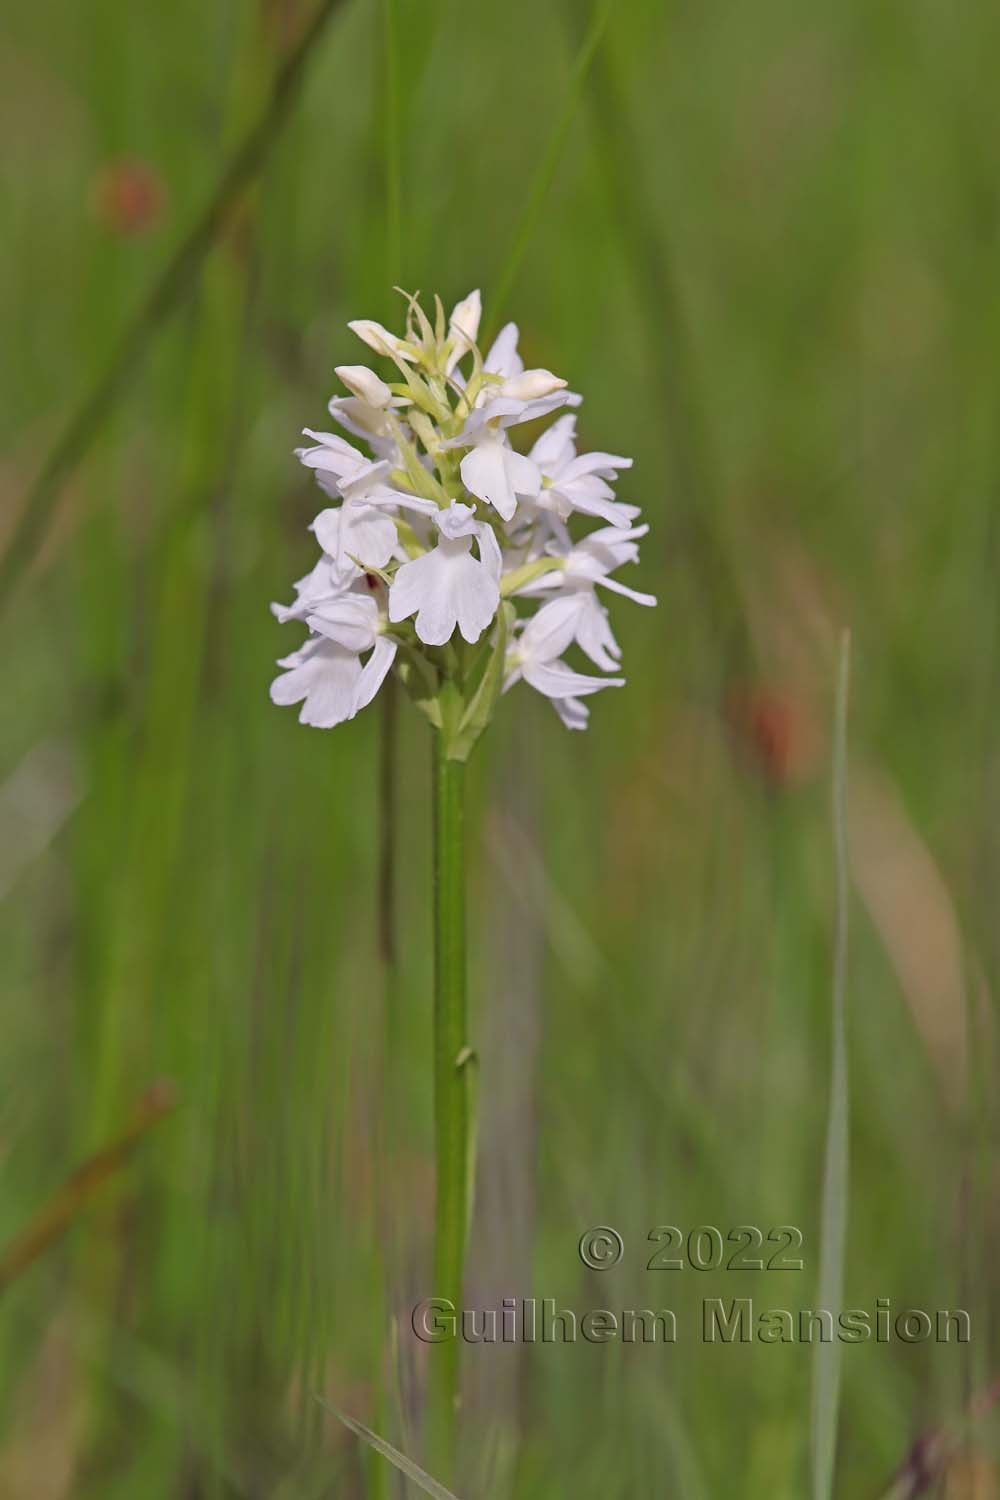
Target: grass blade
(826, 1359)
(405, 1465)
(550, 160)
(176, 277)
(56, 1217)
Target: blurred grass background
(768, 257)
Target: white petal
(573, 713)
(508, 411)
(404, 502)
(305, 651)
(484, 474)
(350, 621)
(489, 551)
(368, 479)
(326, 678)
(610, 536)
(512, 670)
(445, 588)
(523, 475)
(592, 496)
(367, 534)
(374, 672)
(595, 636)
(323, 582)
(414, 583)
(503, 358)
(364, 384)
(464, 327)
(605, 464)
(621, 588)
(381, 340)
(458, 520)
(331, 453)
(466, 315)
(356, 531)
(557, 446)
(369, 423)
(319, 582)
(556, 680)
(326, 527)
(531, 385)
(330, 699)
(476, 598)
(331, 530)
(552, 629)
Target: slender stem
(547, 165)
(177, 275)
(451, 1109)
(388, 801)
(393, 169)
(67, 1204)
(670, 354)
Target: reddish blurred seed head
(128, 197)
(777, 731)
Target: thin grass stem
(550, 159)
(385, 1125)
(177, 276)
(451, 1104)
(393, 154)
(66, 1205)
(833, 1228)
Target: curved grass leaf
(402, 1463)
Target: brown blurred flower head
(776, 730)
(128, 197)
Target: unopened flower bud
(531, 385)
(364, 384)
(381, 340)
(465, 320)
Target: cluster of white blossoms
(447, 553)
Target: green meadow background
(764, 242)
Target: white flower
(578, 482)
(510, 378)
(448, 587)
(578, 615)
(333, 456)
(344, 472)
(360, 533)
(325, 675)
(324, 582)
(494, 472)
(502, 409)
(599, 553)
(591, 561)
(502, 360)
(535, 657)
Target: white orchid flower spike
(448, 554)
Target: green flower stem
(451, 1106)
(516, 579)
